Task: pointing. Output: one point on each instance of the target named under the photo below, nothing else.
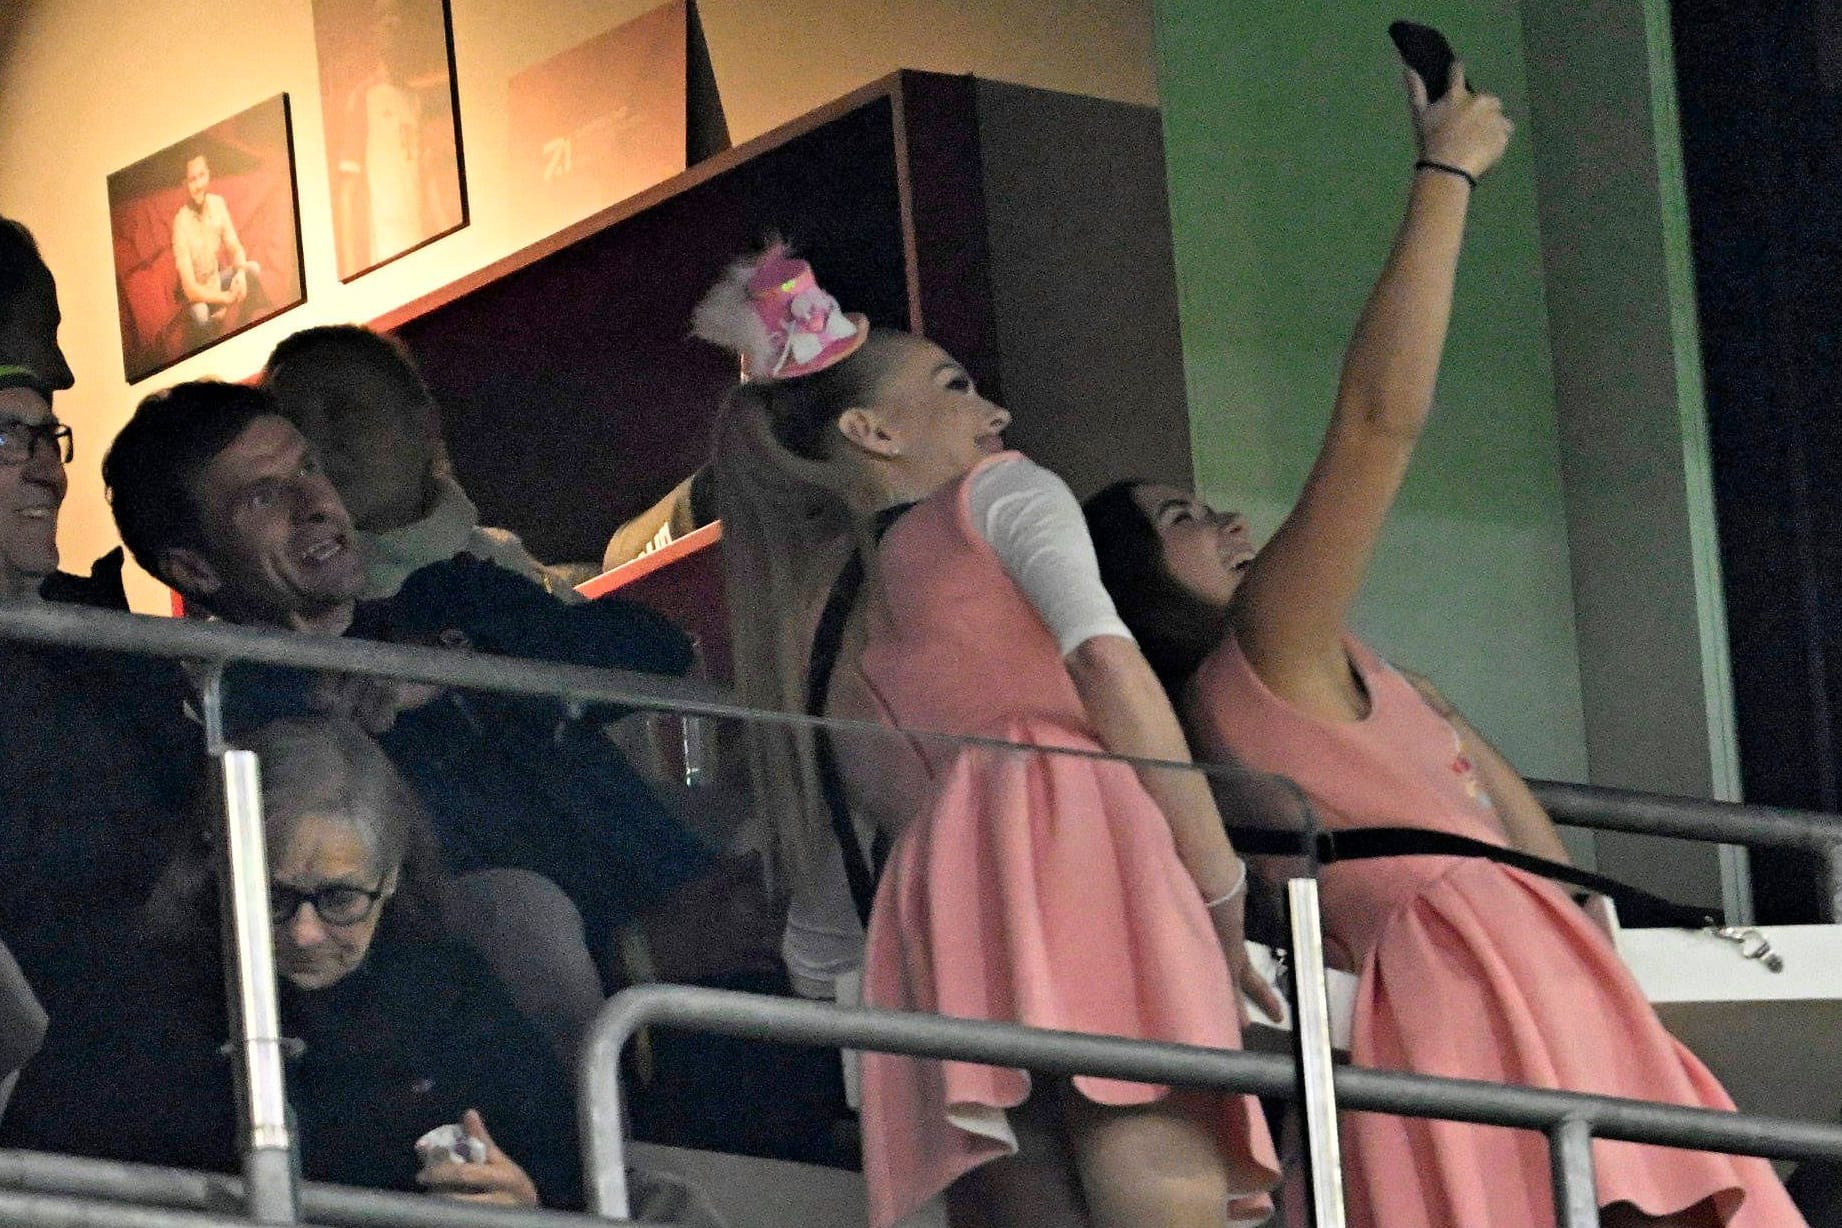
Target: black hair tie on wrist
(1427, 164)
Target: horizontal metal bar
(189, 639)
(74, 626)
(976, 1040)
(338, 1206)
(20, 1210)
(1692, 818)
(112, 631)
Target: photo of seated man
(205, 237)
(202, 231)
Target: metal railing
(1592, 807)
(1568, 1115)
(1570, 1120)
(105, 1190)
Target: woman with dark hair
(1175, 627)
(1468, 968)
(400, 1031)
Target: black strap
(1635, 905)
(827, 642)
(862, 872)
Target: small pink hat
(770, 309)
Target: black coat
(513, 780)
(132, 1070)
(98, 765)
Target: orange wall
(89, 86)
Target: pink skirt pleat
(1489, 973)
(1046, 890)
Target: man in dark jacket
(96, 760)
(221, 497)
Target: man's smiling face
(32, 486)
(277, 541)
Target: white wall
(89, 86)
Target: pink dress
(1030, 888)
(1468, 969)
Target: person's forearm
(194, 290)
(1132, 716)
(1392, 364)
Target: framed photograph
(393, 150)
(604, 120)
(207, 238)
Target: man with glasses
(31, 488)
(81, 829)
(34, 448)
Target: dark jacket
(132, 1069)
(98, 765)
(513, 781)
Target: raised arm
(1290, 611)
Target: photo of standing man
(387, 89)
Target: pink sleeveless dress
(1028, 888)
(1468, 969)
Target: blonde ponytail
(788, 529)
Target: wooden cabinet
(1025, 231)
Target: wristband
(1427, 164)
(1233, 893)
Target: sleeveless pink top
(1468, 969)
(952, 645)
(1402, 765)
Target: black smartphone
(1425, 50)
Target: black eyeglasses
(334, 904)
(19, 440)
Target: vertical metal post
(1576, 1189)
(692, 743)
(1311, 1042)
(1832, 881)
(1735, 883)
(604, 1117)
(249, 972)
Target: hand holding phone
(1465, 135)
(449, 1144)
(1425, 50)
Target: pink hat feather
(770, 309)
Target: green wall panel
(1289, 151)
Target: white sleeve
(1034, 523)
